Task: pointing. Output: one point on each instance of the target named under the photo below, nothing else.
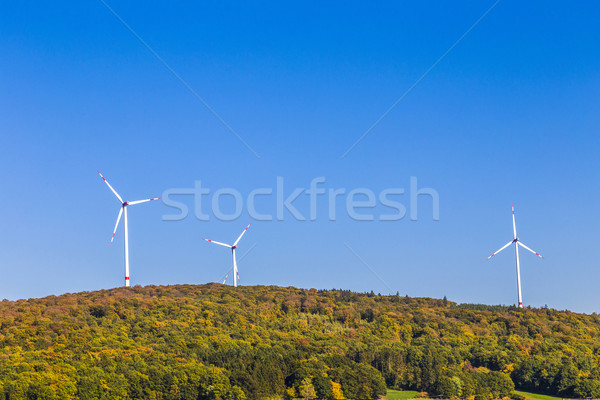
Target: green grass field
(400, 394)
(534, 396)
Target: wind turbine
(517, 243)
(236, 275)
(123, 210)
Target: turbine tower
(517, 243)
(236, 275)
(123, 210)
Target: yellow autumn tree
(336, 388)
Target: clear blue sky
(511, 115)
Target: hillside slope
(218, 342)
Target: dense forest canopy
(219, 342)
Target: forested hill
(219, 342)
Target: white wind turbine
(517, 243)
(122, 211)
(236, 276)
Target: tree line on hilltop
(219, 342)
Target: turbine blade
(222, 244)
(527, 248)
(225, 276)
(501, 248)
(514, 225)
(238, 277)
(116, 225)
(238, 239)
(111, 188)
(142, 201)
